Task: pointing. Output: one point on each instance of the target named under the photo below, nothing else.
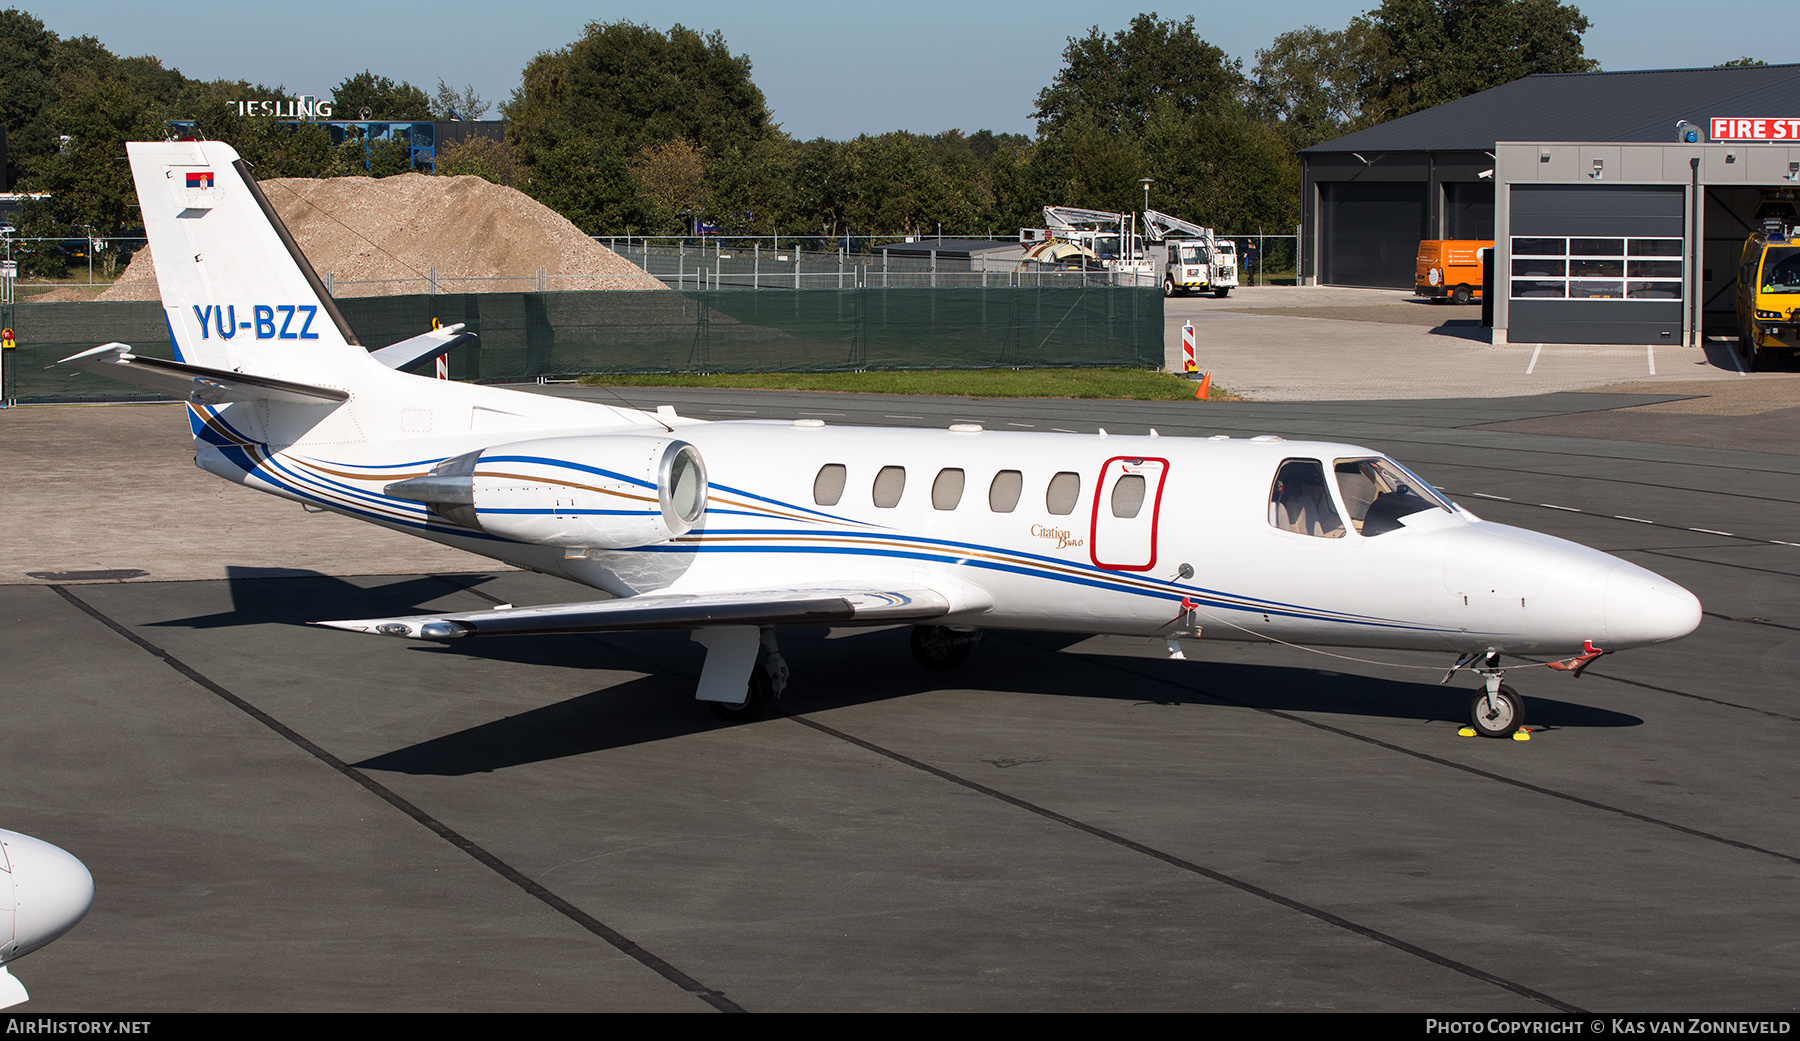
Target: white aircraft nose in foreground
(733, 529)
(44, 892)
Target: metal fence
(761, 264)
(51, 261)
(711, 262)
(527, 336)
(1275, 255)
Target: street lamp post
(1146, 182)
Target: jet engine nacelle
(596, 491)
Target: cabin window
(1003, 494)
(1065, 488)
(947, 490)
(1128, 496)
(1299, 501)
(889, 483)
(1378, 492)
(828, 487)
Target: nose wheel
(1497, 712)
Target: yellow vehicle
(1449, 269)
(1768, 291)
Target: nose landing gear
(1498, 710)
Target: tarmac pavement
(280, 817)
(1319, 343)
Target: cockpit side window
(1378, 492)
(1299, 501)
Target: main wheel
(1461, 294)
(1500, 720)
(939, 649)
(1222, 292)
(757, 695)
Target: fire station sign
(1739, 128)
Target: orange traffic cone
(1205, 384)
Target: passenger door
(1127, 500)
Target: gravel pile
(383, 237)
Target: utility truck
(1192, 258)
(1110, 240)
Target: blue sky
(828, 69)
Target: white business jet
(44, 892)
(732, 529)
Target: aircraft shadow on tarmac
(292, 596)
(853, 669)
(831, 669)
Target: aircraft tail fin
(239, 294)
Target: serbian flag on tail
(200, 179)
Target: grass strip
(1114, 384)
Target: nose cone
(1644, 607)
(48, 891)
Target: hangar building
(1607, 228)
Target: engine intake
(599, 491)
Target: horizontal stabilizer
(197, 383)
(671, 611)
(416, 349)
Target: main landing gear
(768, 678)
(941, 648)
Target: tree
(28, 88)
(1307, 81)
(636, 86)
(1119, 79)
(668, 176)
(618, 90)
(449, 104)
(484, 157)
(1229, 171)
(1428, 52)
(749, 189)
(1086, 165)
(389, 156)
(382, 97)
(1744, 62)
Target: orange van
(1450, 269)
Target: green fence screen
(527, 336)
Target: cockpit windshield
(1378, 492)
(1781, 270)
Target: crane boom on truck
(1195, 259)
(1111, 237)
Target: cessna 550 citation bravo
(732, 529)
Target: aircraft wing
(837, 606)
(196, 383)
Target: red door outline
(1133, 463)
